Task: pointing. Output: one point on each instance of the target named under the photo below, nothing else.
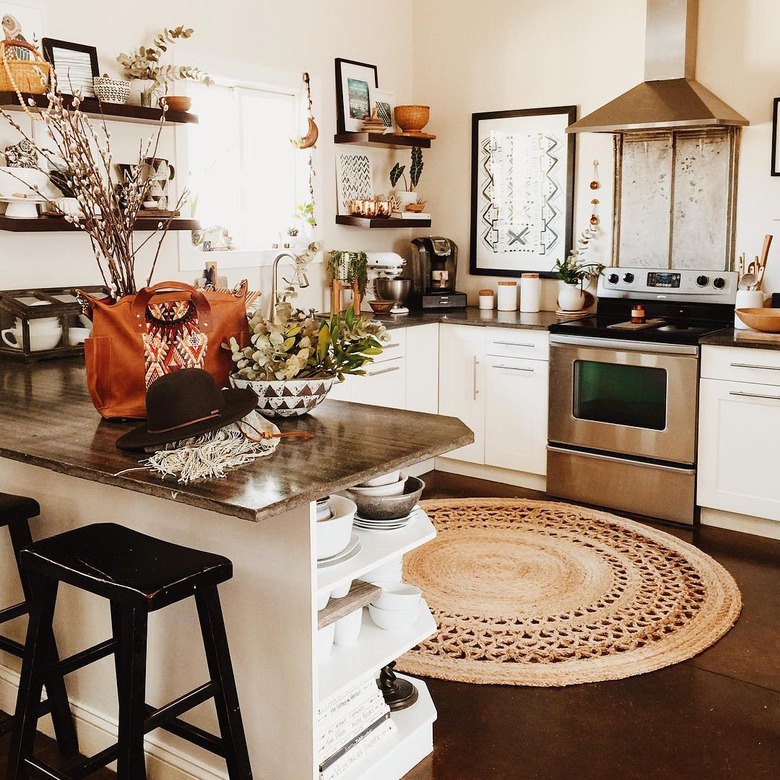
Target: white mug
(76, 336)
(45, 333)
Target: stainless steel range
(623, 394)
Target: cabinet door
(739, 424)
(516, 414)
(384, 384)
(422, 368)
(461, 384)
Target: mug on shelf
(45, 333)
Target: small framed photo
(775, 138)
(355, 85)
(75, 65)
(384, 103)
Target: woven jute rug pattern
(543, 593)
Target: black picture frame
(497, 246)
(351, 96)
(74, 64)
(775, 151)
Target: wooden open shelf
(381, 222)
(92, 107)
(389, 140)
(360, 594)
(58, 224)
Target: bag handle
(143, 296)
(20, 45)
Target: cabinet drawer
(395, 347)
(517, 343)
(741, 364)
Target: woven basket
(412, 119)
(32, 76)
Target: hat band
(211, 416)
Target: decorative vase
(570, 297)
(404, 199)
(286, 397)
(138, 89)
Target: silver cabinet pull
(743, 394)
(514, 368)
(514, 344)
(391, 345)
(750, 365)
(383, 371)
(474, 378)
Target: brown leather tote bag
(160, 329)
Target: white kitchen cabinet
(461, 384)
(422, 368)
(495, 380)
(739, 422)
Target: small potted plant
(295, 358)
(408, 197)
(144, 63)
(574, 272)
(350, 267)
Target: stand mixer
(384, 271)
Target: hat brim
(237, 403)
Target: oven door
(624, 397)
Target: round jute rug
(549, 594)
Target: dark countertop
(471, 315)
(47, 419)
(731, 337)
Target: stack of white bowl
(397, 607)
(386, 503)
(334, 526)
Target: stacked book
(410, 215)
(350, 726)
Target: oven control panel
(665, 284)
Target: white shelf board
(376, 548)
(375, 648)
(401, 751)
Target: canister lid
(486, 292)
(507, 284)
(529, 276)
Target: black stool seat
(126, 566)
(138, 574)
(16, 508)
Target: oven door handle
(626, 346)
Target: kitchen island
(55, 448)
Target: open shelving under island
(55, 448)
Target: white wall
(459, 57)
(511, 54)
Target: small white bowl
(77, 336)
(11, 186)
(323, 599)
(385, 479)
(389, 489)
(393, 619)
(348, 629)
(397, 595)
(341, 590)
(333, 535)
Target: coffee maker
(433, 272)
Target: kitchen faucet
(299, 278)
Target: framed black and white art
(522, 190)
(75, 65)
(355, 83)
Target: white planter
(570, 297)
(403, 199)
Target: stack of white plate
(367, 524)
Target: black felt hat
(186, 403)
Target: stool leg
(64, 729)
(36, 657)
(130, 629)
(215, 642)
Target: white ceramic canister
(747, 299)
(530, 292)
(486, 299)
(507, 296)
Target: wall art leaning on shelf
(354, 180)
(22, 23)
(384, 104)
(355, 83)
(522, 190)
(75, 65)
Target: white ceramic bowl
(385, 479)
(323, 599)
(348, 629)
(393, 619)
(325, 637)
(11, 186)
(397, 595)
(389, 489)
(333, 535)
(341, 590)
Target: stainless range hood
(669, 97)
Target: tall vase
(570, 297)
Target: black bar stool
(138, 574)
(15, 513)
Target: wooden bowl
(765, 320)
(177, 102)
(412, 119)
(416, 207)
(381, 307)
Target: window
(245, 174)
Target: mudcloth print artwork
(354, 180)
(521, 193)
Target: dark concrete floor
(714, 717)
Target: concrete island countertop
(47, 419)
